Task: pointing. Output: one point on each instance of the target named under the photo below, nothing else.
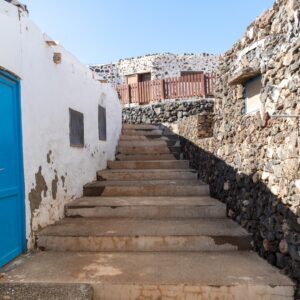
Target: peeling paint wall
(54, 171)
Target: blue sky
(103, 31)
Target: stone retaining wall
(253, 161)
(166, 111)
(196, 127)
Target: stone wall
(160, 65)
(252, 161)
(167, 112)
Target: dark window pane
(102, 123)
(76, 128)
(144, 77)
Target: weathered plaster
(54, 171)
(54, 186)
(40, 190)
(49, 157)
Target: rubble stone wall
(167, 112)
(252, 162)
(160, 65)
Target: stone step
(176, 150)
(160, 149)
(124, 234)
(146, 188)
(228, 275)
(140, 127)
(146, 207)
(156, 132)
(140, 157)
(159, 164)
(143, 138)
(148, 174)
(148, 143)
(46, 291)
(142, 143)
(137, 138)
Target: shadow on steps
(252, 204)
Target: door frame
(21, 181)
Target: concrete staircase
(146, 229)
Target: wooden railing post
(187, 86)
(162, 89)
(128, 94)
(138, 88)
(203, 85)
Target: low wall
(54, 171)
(166, 111)
(196, 127)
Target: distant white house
(156, 66)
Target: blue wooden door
(12, 228)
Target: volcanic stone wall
(159, 65)
(252, 162)
(167, 112)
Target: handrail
(186, 86)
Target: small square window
(252, 95)
(144, 77)
(76, 128)
(102, 123)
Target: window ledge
(252, 113)
(243, 76)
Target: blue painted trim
(20, 155)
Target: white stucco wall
(163, 65)
(48, 90)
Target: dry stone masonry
(159, 65)
(252, 161)
(192, 119)
(196, 126)
(166, 111)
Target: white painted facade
(48, 90)
(160, 66)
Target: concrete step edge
(132, 201)
(247, 275)
(145, 183)
(144, 227)
(147, 170)
(144, 243)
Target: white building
(156, 66)
(50, 110)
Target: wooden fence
(186, 86)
